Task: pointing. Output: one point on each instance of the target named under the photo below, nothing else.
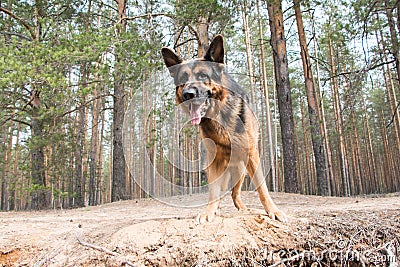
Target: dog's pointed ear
(216, 50)
(170, 59)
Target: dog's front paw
(205, 217)
(276, 214)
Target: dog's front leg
(213, 203)
(255, 171)
(217, 179)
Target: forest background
(325, 89)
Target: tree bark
(79, 153)
(37, 156)
(13, 191)
(370, 152)
(278, 44)
(313, 108)
(118, 191)
(5, 146)
(267, 106)
(394, 38)
(202, 31)
(93, 174)
(390, 88)
(249, 55)
(80, 122)
(339, 123)
(389, 174)
(324, 130)
(306, 160)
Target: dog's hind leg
(237, 199)
(238, 176)
(255, 171)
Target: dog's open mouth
(197, 110)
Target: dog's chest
(216, 132)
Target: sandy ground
(322, 231)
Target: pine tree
(278, 44)
(313, 108)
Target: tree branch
(184, 42)
(20, 20)
(179, 36)
(148, 15)
(394, 114)
(195, 33)
(18, 35)
(84, 104)
(86, 83)
(366, 69)
(16, 120)
(22, 122)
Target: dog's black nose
(188, 93)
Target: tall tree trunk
(266, 96)
(389, 174)
(79, 153)
(94, 149)
(249, 55)
(80, 140)
(118, 191)
(339, 123)
(278, 44)
(324, 130)
(278, 175)
(370, 151)
(394, 38)
(313, 108)
(38, 179)
(13, 191)
(358, 157)
(37, 156)
(6, 145)
(100, 179)
(10, 179)
(306, 160)
(390, 88)
(5, 159)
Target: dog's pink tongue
(195, 114)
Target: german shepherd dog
(216, 103)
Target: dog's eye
(184, 78)
(202, 76)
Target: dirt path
(331, 231)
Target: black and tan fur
(206, 91)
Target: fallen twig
(295, 257)
(102, 249)
(105, 250)
(161, 218)
(47, 258)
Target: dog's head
(198, 82)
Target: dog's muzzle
(196, 102)
(188, 93)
